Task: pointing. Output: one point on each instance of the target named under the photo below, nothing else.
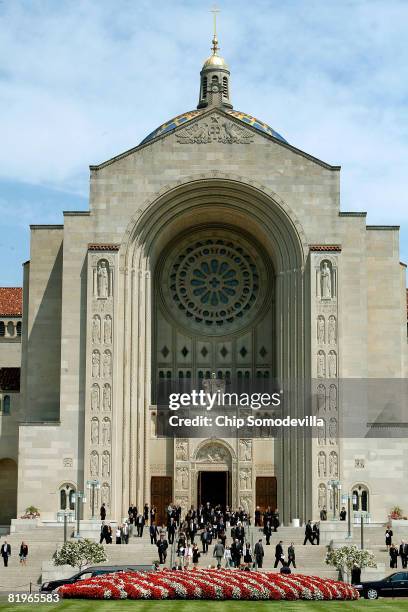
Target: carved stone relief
(320, 329)
(106, 431)
(245, 450)
(321, 364)
(107, 329)
(214, 129)
(322, 496)
(96, 329)
(333, 431)
(105, 464)
(321, 398)
(333, 397)
(332, 364)
(95, 430)
(181, 450)
(213, 453)
(245, 501)
(96, 364)
(182, 478)
(321, 433)
(95, 397)
(107, 397)
(321, 465)
(107, 364)
(332, 330)
(94, 464)
(105, 494)
(333, 464)
(245, 479)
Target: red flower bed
(208, 584)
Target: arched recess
(8, 488)
(246, 206)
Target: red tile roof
(10, 379)
(11, 301)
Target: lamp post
(65, 525)
(347, 499)
(78, 497)
(334, 486)
(92, 485)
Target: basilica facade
(214, 248)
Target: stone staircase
(42, 542)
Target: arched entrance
(269, 234)
(8, 488)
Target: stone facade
(93, 311)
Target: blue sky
(81, 81)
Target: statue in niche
(332, 331)
(333, 464)
(321, 398)
(94, 464)
(321, 434)
(182, 478)
(107, 364)
(102, 274)
(107, 329)
(333, 397)
(95, 397)
(96, 364)
(96, 329)
(95, 430)
(332, 430)
(181, 450)
(321, 464)
(322, 496)
(245, 450)
(326, 281)
(320, 329)
(332, 364)
(105, 494)
(105, 464)
(107, 396)
(106, 431)
(245, 480)
(321, 364)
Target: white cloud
(84, 81)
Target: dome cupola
(215, 78)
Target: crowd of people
(395, 551)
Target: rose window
(213, 283)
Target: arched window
(6, 404)
(67, 497)
(2, 328)
(19, 328)
(214, 79)
(356, 500)
(364, 501)
(205, 87)
(10, 328)
(360, 498)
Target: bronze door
(161, 496)
(266, 492)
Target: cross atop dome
(215, 76)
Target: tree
(346, 557)
(80, 553)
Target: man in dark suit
(291, 555)
(316, 533)
(308, 533)
(236, 552)
(153, 531)
(171, 529)
(162, 546)
(140, 522)
(5, 552)
(403, 553)
(278, 554)
(259, 553)
(103, 512)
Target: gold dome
(215, 61)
